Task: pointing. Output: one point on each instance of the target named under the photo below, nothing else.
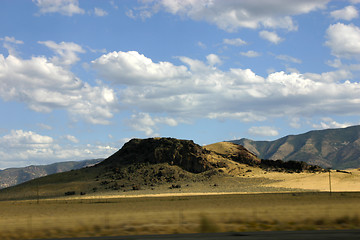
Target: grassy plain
(178, 214)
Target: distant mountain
(13, 176)
(335, 148)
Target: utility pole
(330, 180)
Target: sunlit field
(178, 214)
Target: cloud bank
(44, 86)
(21, 148)
(231, 15)
(197, 89)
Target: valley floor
(178, 214)
(254, 200)
(257, 181)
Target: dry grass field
(162, 198)
(178, 214)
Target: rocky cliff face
(183, 153)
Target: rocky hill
(183, 153)
(13, 176)
(160, 164)
(335, 148)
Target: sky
(79, 78)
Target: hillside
(160, 165)
(13, 176)
(335, 148)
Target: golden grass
(181, 214)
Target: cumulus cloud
(44, 86)
(343, 40)
(335, 76)
(196, 89)
(231, 15)
(22, 148)
(213, 59)
(270, 36)
(263, 131)
(100, 12)
(348, 13)
(250, 54)
(327, 123)
(18, 138)
(64, 7)
(66, 51)
(135, 68)
(234, 41)
(143, 122)
(71, 138)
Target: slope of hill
(13, 176)
(335, 148)
(162, 165)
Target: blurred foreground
(61, 218)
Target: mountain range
(13, 176)
(330, 148)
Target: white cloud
(198, 90)
(250, 53)
(21, 148)
(230, 15)
(287, 58)
(136, 69)
(213, 59)
(44, 86)
(330, 123)
(10, 44)
(100, 12)
(241, 116)
(71, 138)
(11, 40)
(348, 13)
(343, 40)
(18, 138)
(234, 41)
(336, 63)
(263, 131)
(143, 122)
(335, 76)
(66, 51)
(270, 36)
(64, 7)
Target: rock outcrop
(183, 153)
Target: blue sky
(80, 78)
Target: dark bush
(136, 187)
